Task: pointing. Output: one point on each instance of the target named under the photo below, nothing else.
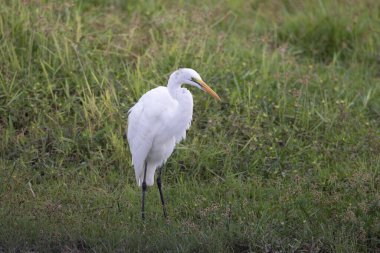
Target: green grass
(288, 162)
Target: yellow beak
(207, 89)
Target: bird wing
(145, 121)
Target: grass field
(289, 161)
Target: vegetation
(288, 162)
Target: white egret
(157, 122)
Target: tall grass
(288, 162)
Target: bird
(157, 122)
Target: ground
(287, 162)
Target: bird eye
(194, 80)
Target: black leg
(143, 187)
(160, 190)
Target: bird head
(191, 77)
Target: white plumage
(158, 121)
(155, 124)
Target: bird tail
(149, 178)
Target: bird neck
(174, 86)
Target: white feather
(155, 124)
(159, 120)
